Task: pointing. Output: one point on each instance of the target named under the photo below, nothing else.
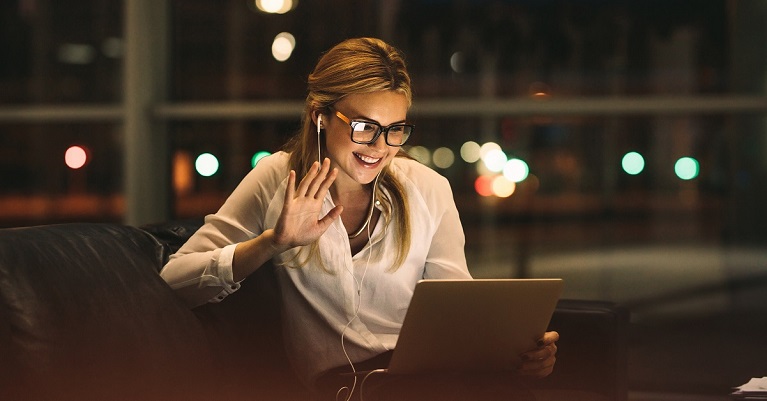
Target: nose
(380, 142)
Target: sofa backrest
(84, 315)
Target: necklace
(373, 203)
(367, 220)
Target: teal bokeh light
(632, 163)
(258, 156)
(206, 164)
(687, 168)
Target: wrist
(273, 242)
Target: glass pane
(59, 173)
(230, 149)
(682, 247)
(60, 52)
(475, 48)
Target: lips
(367, 159)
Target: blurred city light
(258, 156)
(470, 152)
(76, 53)
(443, 157)
(502, 187)
(275, 6)
(632, 163)
(487, 147)
(495, 160)
(539, 90)
(516, 170)
(421, 154)
(183, 176)
(484, 185)
(686, 168)
(456, 62)
(283, 45)
(206, 164)
(76, 157)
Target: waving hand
(300, 222)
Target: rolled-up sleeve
(212, 283)
(201, 270)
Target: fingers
(333, 214)
(550, 337)
(303, 186)
(291, 188)
(537, 368)
(317, 180)
(539, 362)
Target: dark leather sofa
(84, 315)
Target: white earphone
(319, 122)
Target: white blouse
(319, 306)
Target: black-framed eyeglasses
(367, 132)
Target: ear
(316, 118)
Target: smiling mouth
(367, 159)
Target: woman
(353, 222)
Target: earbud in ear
(319, 122)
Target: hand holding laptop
(539, 362)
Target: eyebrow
(368, 119)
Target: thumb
(329, 218)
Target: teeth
(367, 159)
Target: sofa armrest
(84, 315)
(592, 350)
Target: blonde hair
(355, 66)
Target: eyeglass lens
(368, 132)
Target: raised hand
(300, 223)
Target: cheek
(336, 140)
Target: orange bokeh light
(484, 185)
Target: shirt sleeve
(432, 203)
(446, 258)
(201, 270)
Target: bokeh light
(275, 6)
(257, 157)
(443, 157)
(502, 187)
(421, 154)
(206, 164)
(487, 147)
(632, 163)
(183, 172)
(283, 45)
(76, 157)
(484, 185)
(516, 170)
(470, 152)
(495, 160)
(686, 168)
(456, 62)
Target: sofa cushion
(591, 355)
(85, 315)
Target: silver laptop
(473, 325)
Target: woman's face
(358, 162)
